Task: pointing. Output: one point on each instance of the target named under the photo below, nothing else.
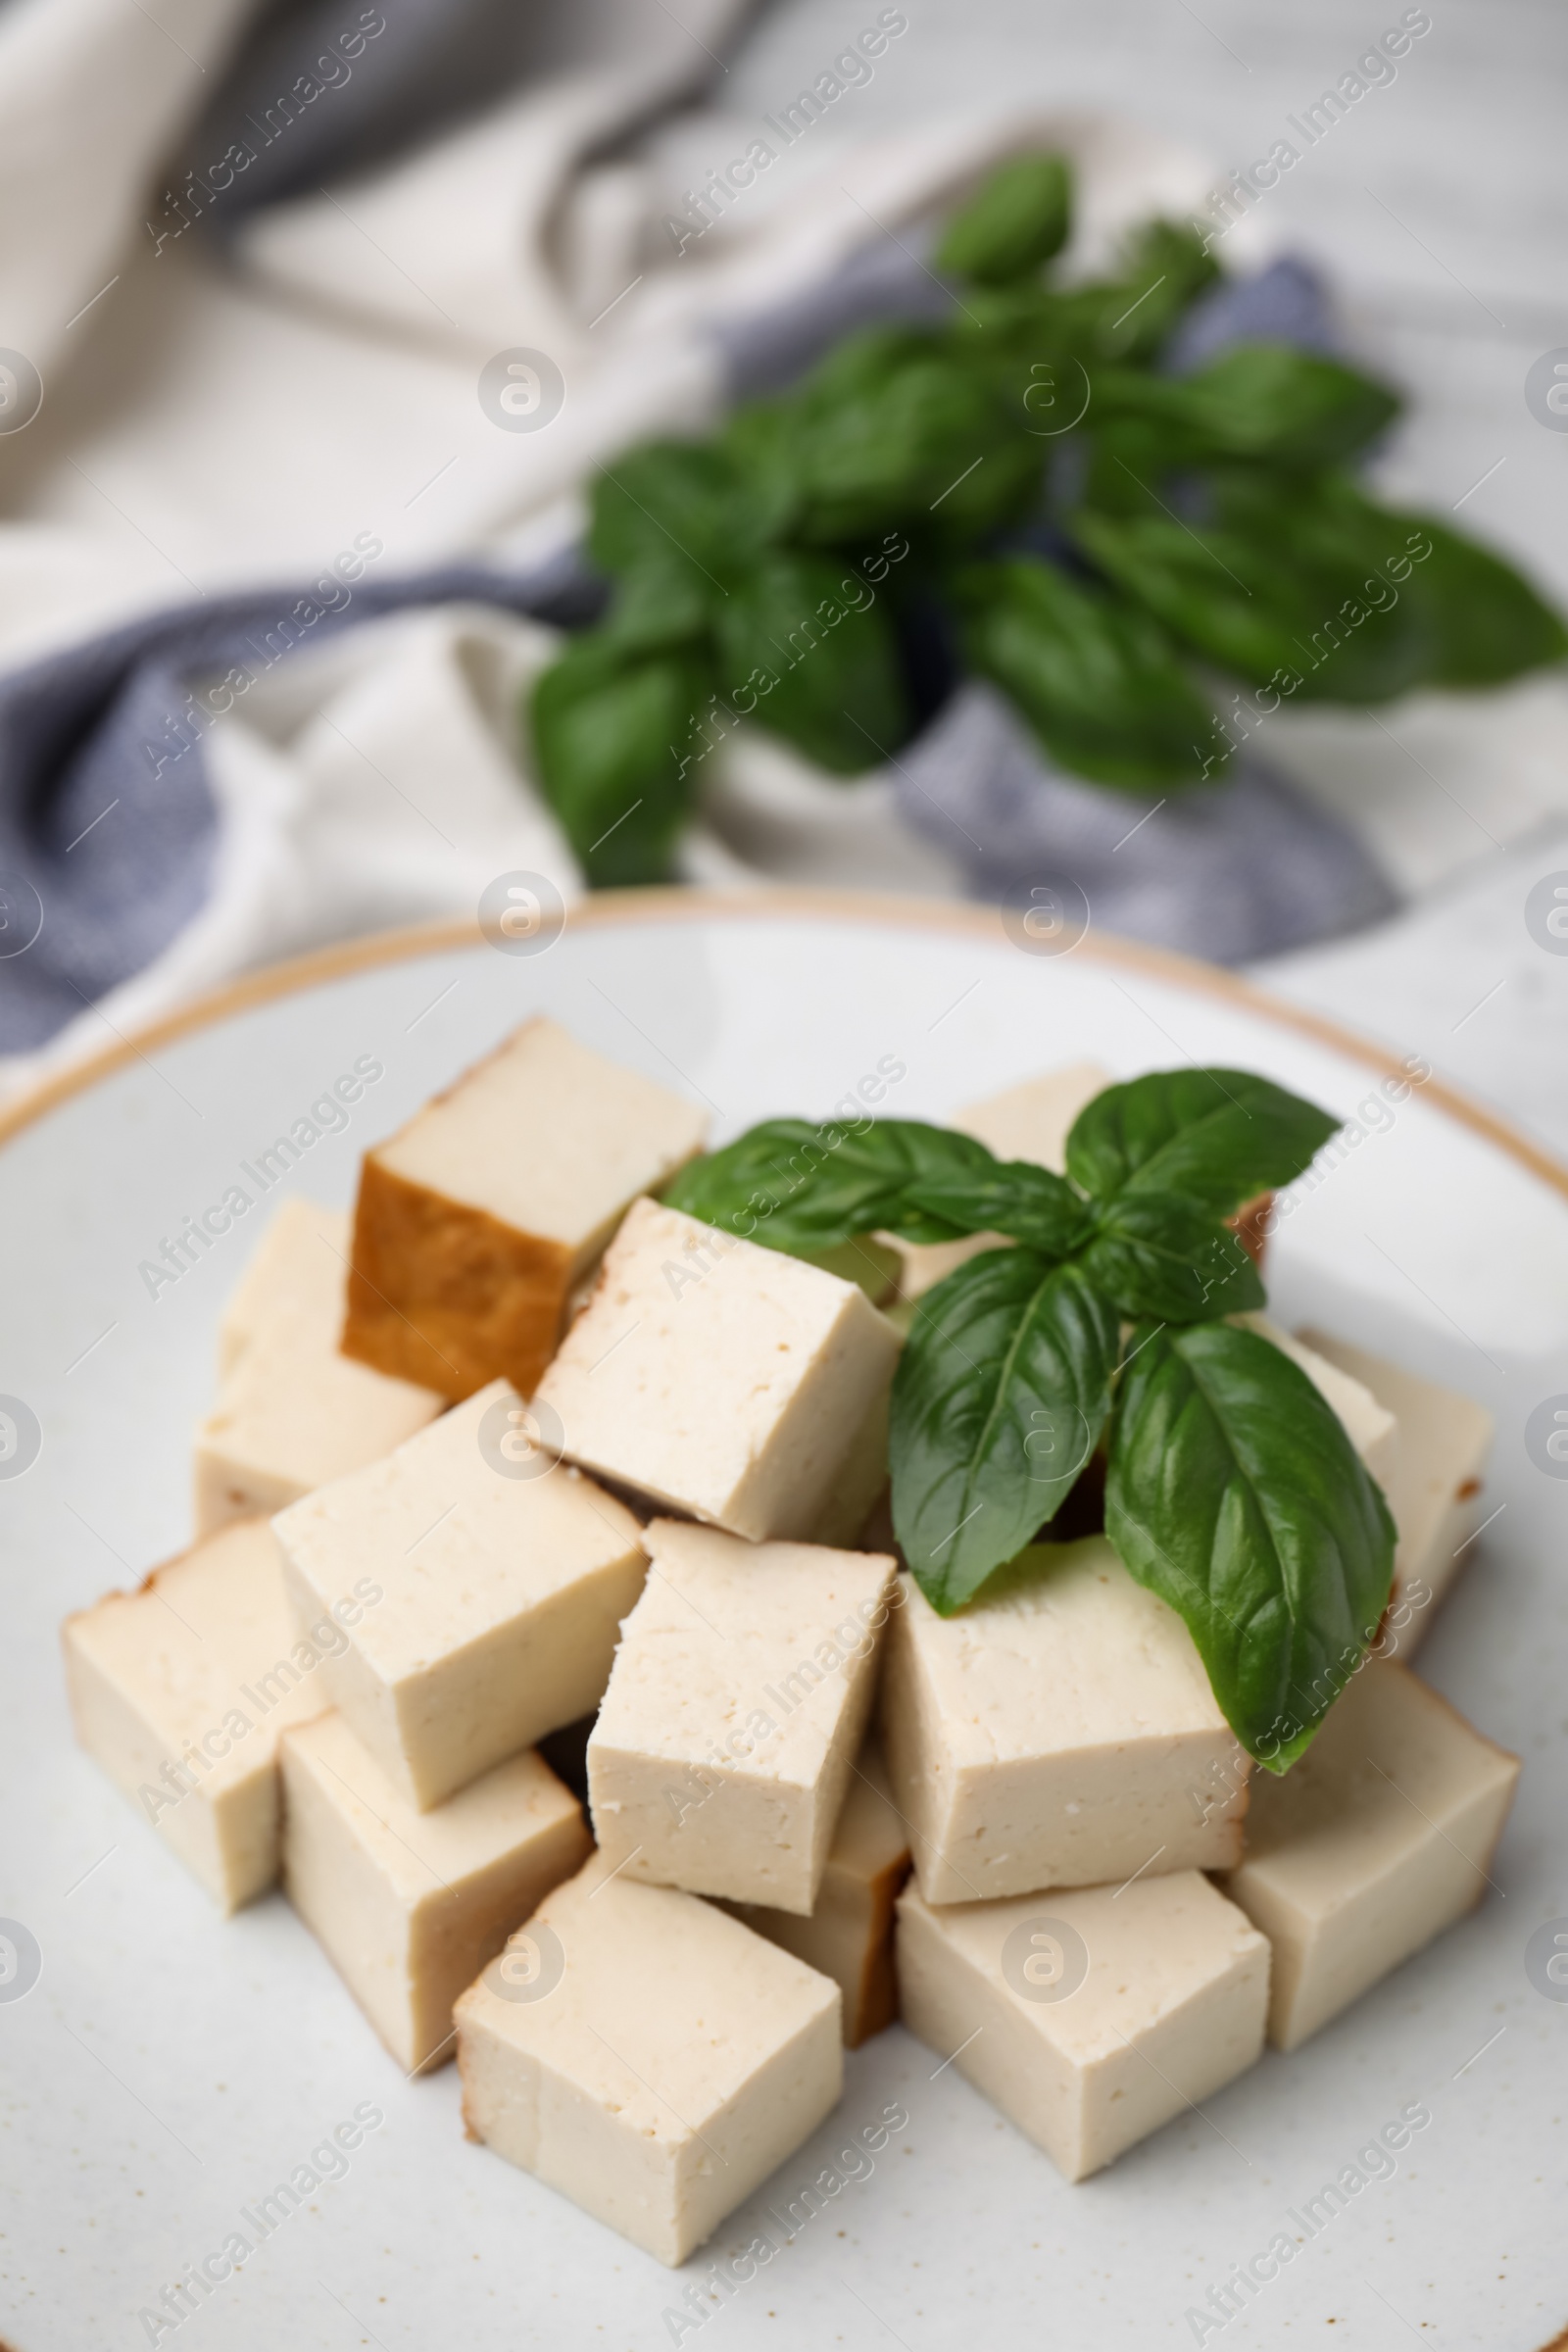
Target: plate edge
(667, 904)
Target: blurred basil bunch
(1116, 549)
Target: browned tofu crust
(876, 2003)
(447, 1296)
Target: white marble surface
(1440, 207)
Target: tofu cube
(1027, 1122)
(293, 1412)
(1091, 2017)
(723, 1380)
(737, 1705)
(285, 1270)
(860, 1483)
(1433, 1478)
(849, 1932)
(1061, 1732)
(674, 2060)
(1377, 1839)
(182, 1688)
(477, 1220)
(497, 1596)
(410, 1906)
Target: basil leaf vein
(998, 1400)
(1234, 1492)
(1217, 1136)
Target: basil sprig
(1232, 1488)
(1031, 488)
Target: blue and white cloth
(274, 572)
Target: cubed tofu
(1378, 1838)
(1058, 1733)
(861, 1479)
(285, 1269)
(407, 1906)
(1434, 1475)
(500, 1597)
(849, 1933)
(1368, 1423)
(721, 1379)
(738, 1703)
(674, 2062)
(477, 1220)
(293, 1412)
(182, 1688)
(1027, 1122)
(1089, 2017)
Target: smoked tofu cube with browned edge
(721, 1379)
(410, 1906)
(293, 1412)
(480, 1219)
(849, 1932)
(182, 1688)
(737, 1706)
(1028, 1122)
(650, 2058)
(505, 1578)
(1089, 2017)
(1433, 1477)
(1058, 1733)
(1381, 1836)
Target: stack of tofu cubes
(528, 1450)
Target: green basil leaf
(1018, 220)
(1096, 679)
(893, 430)
(1485, 624)
(1293, 596)
(816, 645)
(1234, 1493)
(1216, 1136)
(1014, 1197)
(1117, 322)
(657, 609)
(998, 1402)
(1273, 402)
(1479, 623)
(611, 726)
(1159, 1255)
(1163, 265)
(1264, 404)
(676, 508)
(804, 1188)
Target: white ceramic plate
(167, 2067)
